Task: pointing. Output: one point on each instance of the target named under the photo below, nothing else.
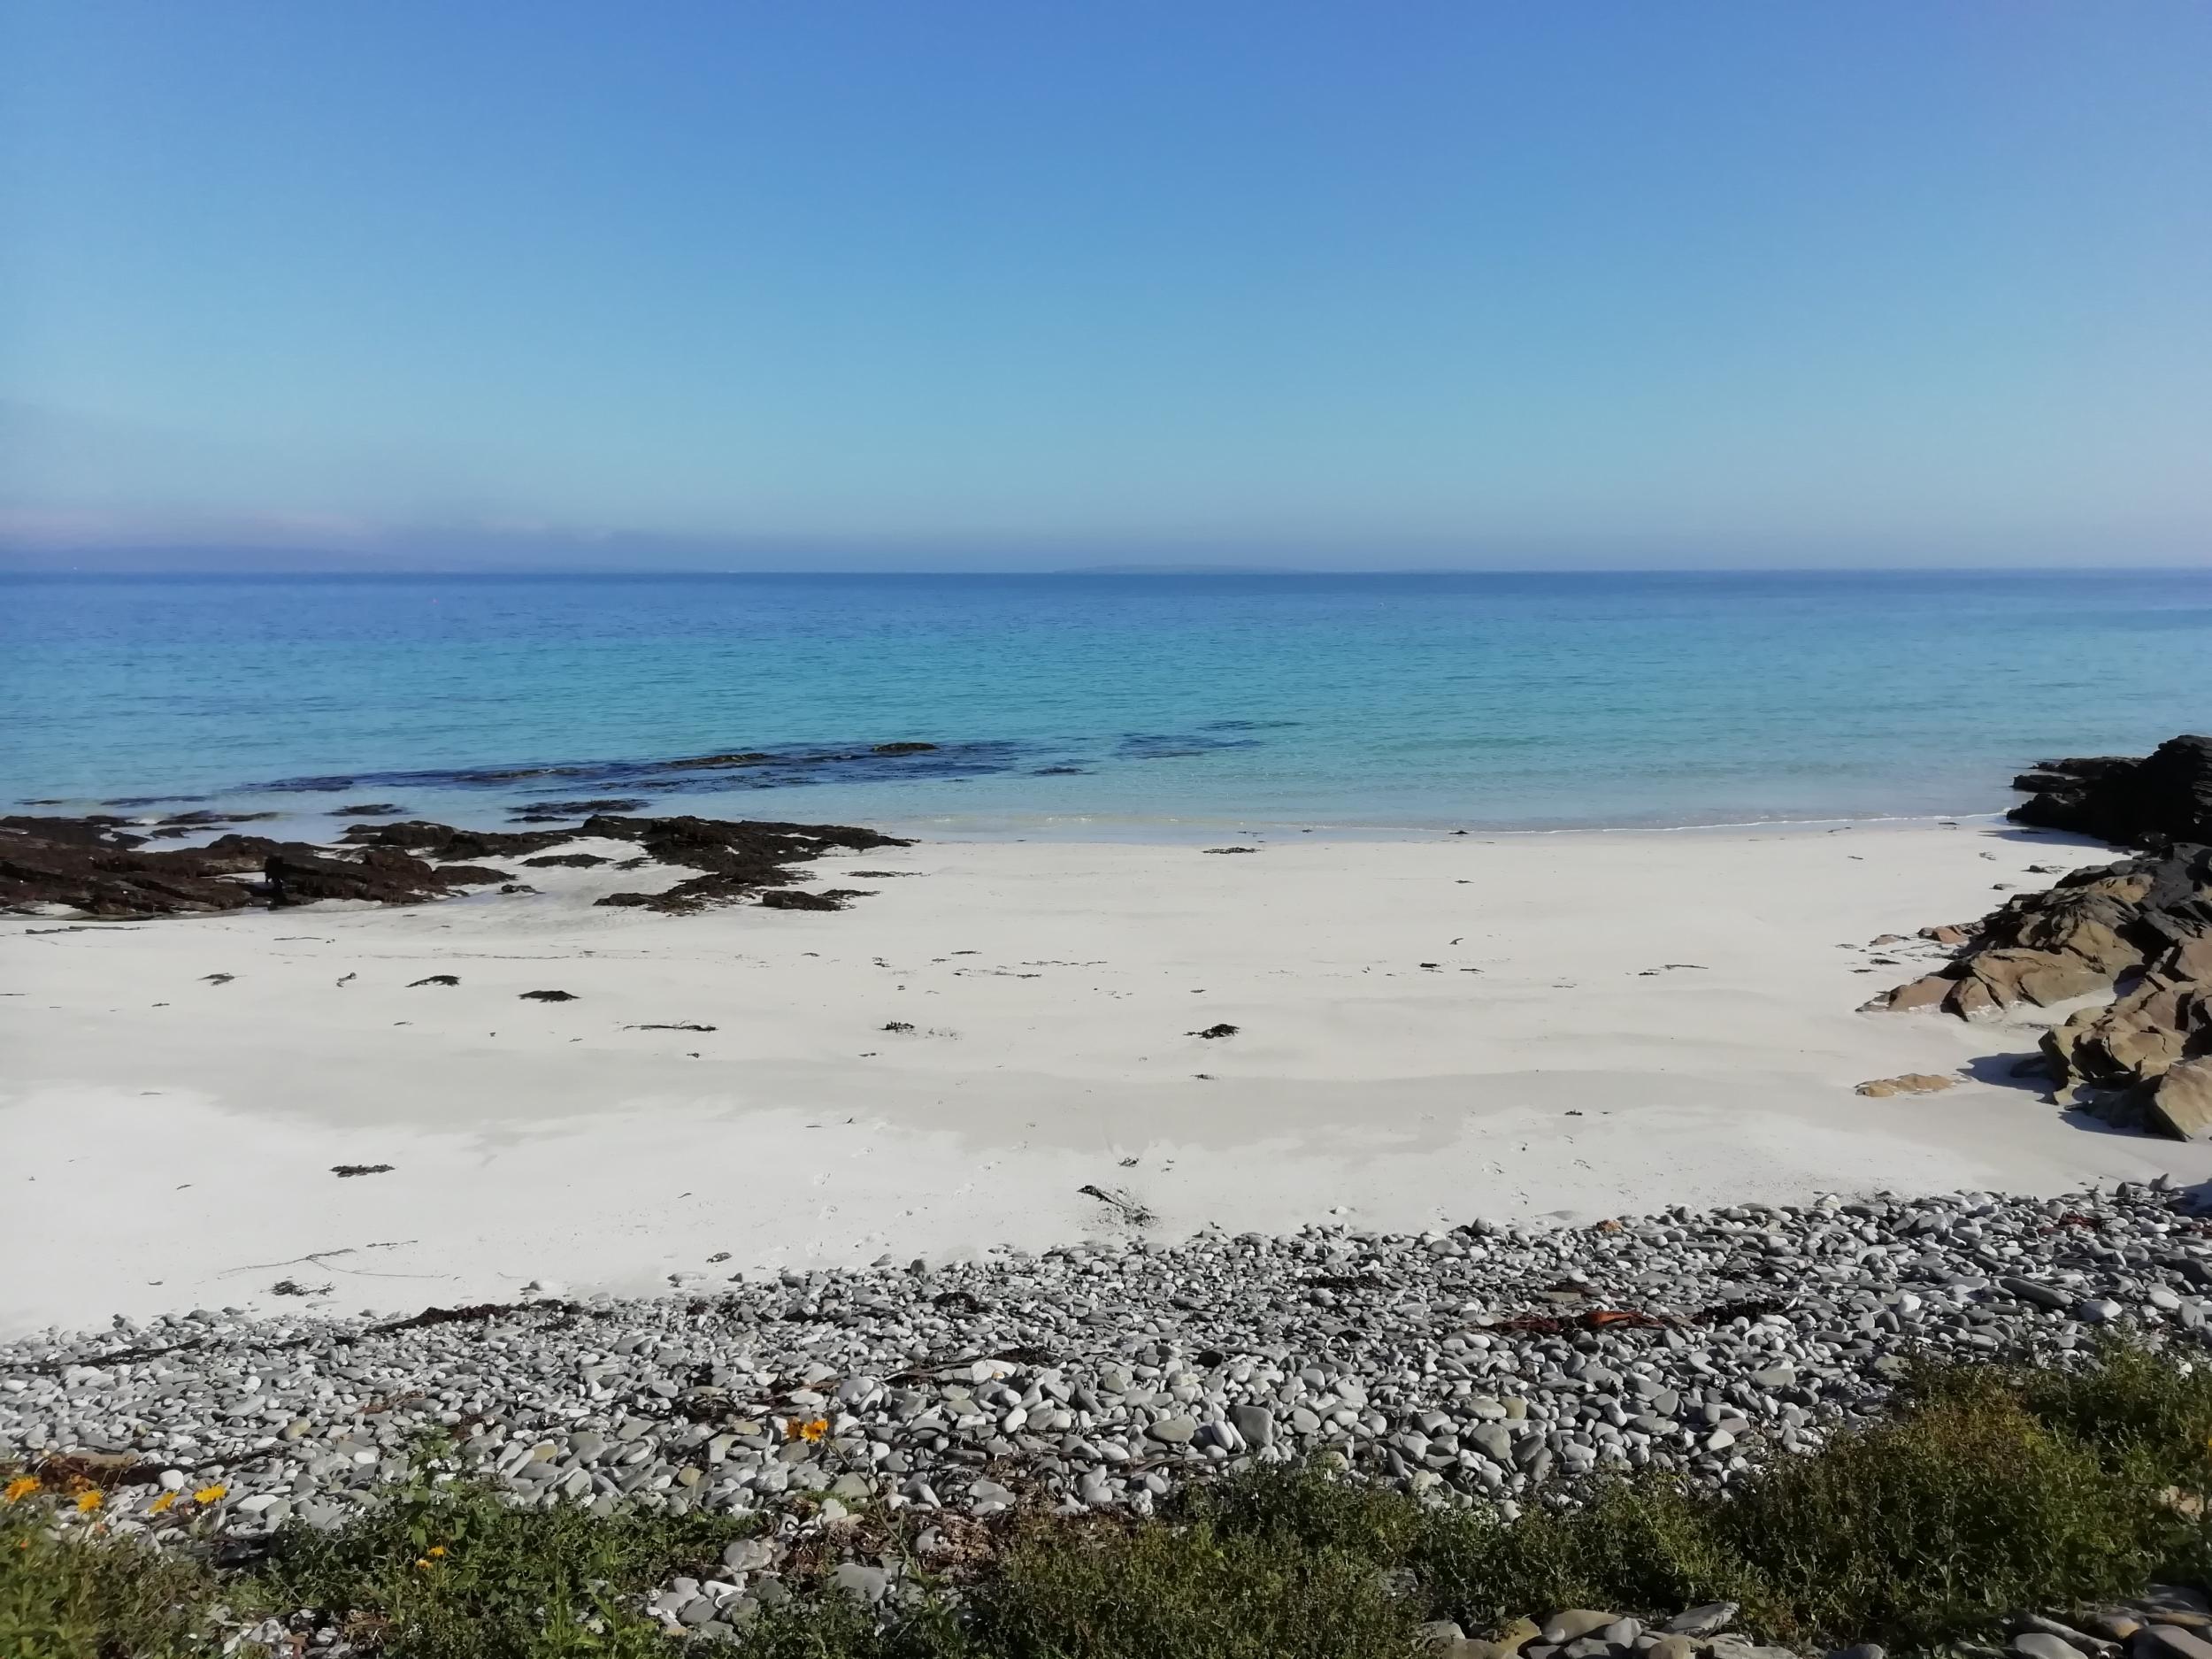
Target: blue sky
(976, 285)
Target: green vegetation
(82, 1595)
(1988, 1492)
(450, 1569)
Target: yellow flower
(423, 1561)
(89, 1501)
(814, 1431)
(160, 1505)
(209, 1494)
(20, 1488)
(437, 1550)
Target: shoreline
(1613, 1023)
(1156, 832)
(985, 828)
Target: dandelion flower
(816, 1429)
(20, 1488)
(423, 1561)
(209, 1494)
(160, 1505)
(436, 1550)
(88, 1501)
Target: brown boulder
(2132, 1040)
(1926, 992)
(2188, 957)
(2180, 1102)
(2000, 979)
(1992, 979)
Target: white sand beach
(1428, 1031)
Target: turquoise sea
(1098, 704)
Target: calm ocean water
(1105, 703)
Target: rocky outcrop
(2163, 798)
(2077, 937)
(2140, 930)
(2148, 1031)
(98, 829)
(91, 867)
(2144, 1062)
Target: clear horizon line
(44, 570)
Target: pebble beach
(1470, 1366)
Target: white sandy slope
(166, 1141)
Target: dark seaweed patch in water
(786, 766)
(735, 769)
(1176, 745)
(548, 811)
(1248, 726)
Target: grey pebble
(1701, 1621)
(2168, 1641)
(1572, 1624)
(861, 1581)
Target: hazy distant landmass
(1184, 570)
(210, 561)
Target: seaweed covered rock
(378, 875)
(92, 867)
(738, 858)
(97, 865)
(444, 843)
